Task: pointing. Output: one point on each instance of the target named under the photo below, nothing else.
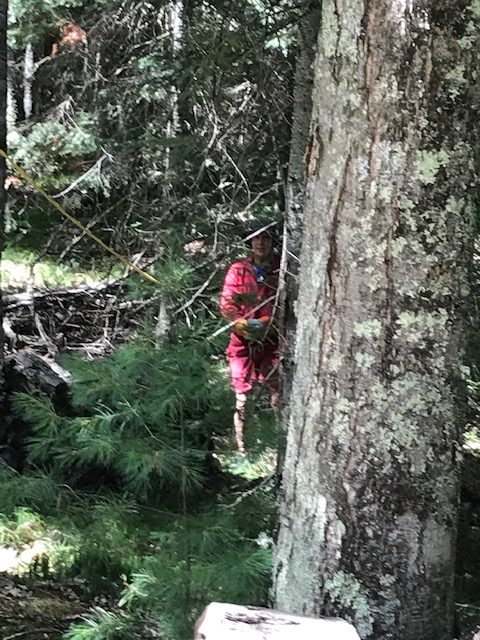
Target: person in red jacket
(248, 299)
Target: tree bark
(371, 482)
(3, 145)
(28, 75)
(294, 191)
(172, 17)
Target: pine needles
(150, 421)
(124, 482)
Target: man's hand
(251, 329)
(241, 328)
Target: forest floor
(33, 608)
(38, 610)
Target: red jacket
(242, 293)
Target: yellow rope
(76, 222)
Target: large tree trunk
(302, 112)
(3, 145)
(369, 505)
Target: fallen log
(28, 372)
(222, 621)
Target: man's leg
(239, 420)
(275, 401)
(240, 372)
(269, 376)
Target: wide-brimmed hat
(257, 227)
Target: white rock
(221, 621)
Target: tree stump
(221, 621)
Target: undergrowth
(125, 494)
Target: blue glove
(255, 326)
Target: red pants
(251, 363)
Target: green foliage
(177, 563)
(193, 559)
(52, 152)
(472, 437)
(96, 537)
(32, 19)
(36, 491)
(173, 274)
(143, 423)
(21, 528)
(183, 137)
(150, 419)
(118, 97)
(102, 625)
(177, 592)
(55, 154)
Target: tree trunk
(172, 17)
(28, 75)
(3, 145)
(369, 504)
(302, 112)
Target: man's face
(261, 247)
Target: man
(248, 298)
